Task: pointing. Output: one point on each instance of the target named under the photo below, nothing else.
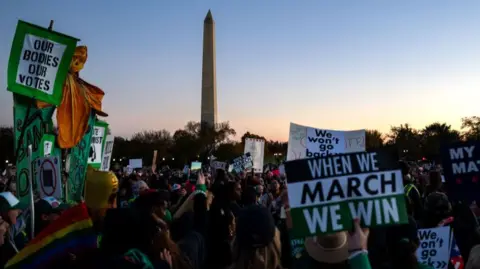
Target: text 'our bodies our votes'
(39, 63)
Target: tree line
(197, 142)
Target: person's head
(153, 201)
(47, 210)
(402, 243)
(142, 186)
(163, 241)
(259, 189)
(435, 179)
(100, 192)
(437, 208)
(328, 251)
(234, 191)
(11, 207)
(127, 228)
(257, 241)
(3, 231)
(13, 188)
(274, 186)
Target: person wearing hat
(11, 207)
(256, 233)
(402, 243)
(10, 210)
(47, 210)
(100, 195)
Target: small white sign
(38, 65)
(107, 153)
(218, 165)
(47, 148)
(135, 163)
(435, 245)
(96, 144)
(256, 148)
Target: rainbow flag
(71, 233)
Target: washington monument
(209, 75)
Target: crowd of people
(241, 221)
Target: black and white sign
(96, 144)
(48, 177)
(435, 245)
(107, 152)
(242, 163)
(256, 148)
(38, 65)
(461, 166)
(218, 165)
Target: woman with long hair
(402, 244)
(256, 246)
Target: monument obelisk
(209, 75)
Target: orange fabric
(79, 97)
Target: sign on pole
(100, 131)
(256, 148)
(48, 177)
(39, 62)
(107, 151)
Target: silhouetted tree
(6, 145)
(373, 139)
(434, 136)
(406, 140)
(472, 126)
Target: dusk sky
(329, 64)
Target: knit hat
(255, 227)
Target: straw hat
(332, 248)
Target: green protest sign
(100, 131)
(325, 194)
(39, 62)
(37, 123)
(78, 163)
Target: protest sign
(456, 258)
(154, 161)
(78, 162)
(434, 248)
(308, 142)
(39, 62)
(35, 125)
(135, 163)
(100, 131)
(47, 145)
(326, 193)
(195, 166)
(461, 167)
(256, 148)
(218, 165)
(48, 176)
(242, 163)
(107, 151)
